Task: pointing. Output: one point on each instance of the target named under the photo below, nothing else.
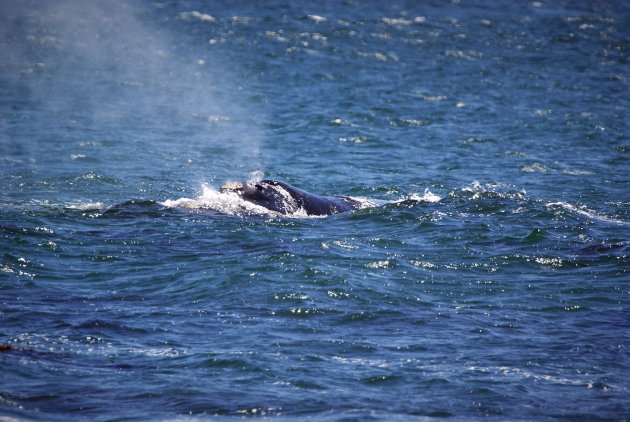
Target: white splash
(230, 203)
(224, 202)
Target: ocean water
(490, 278)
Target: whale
(286, 199)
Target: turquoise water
(490, 280)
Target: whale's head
(265, 193)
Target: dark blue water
(493, 281)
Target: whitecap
(194, 15)
(378, 264)
(536, 167)
(460, 54)
(434, 97)
(577, 172)
(85, 206)
(276, 36)
(317, 19)
(409, 122)
(217, 118)
(423, 264)
(508, 371)
(397, 21)
(551, 262)
(242, 20)
(353, 139)
(428, 196)
(344, 244)
(382, 57)
(586, 212)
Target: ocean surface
(488, 279)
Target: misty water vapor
(101, 66)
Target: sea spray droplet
(255, 176)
